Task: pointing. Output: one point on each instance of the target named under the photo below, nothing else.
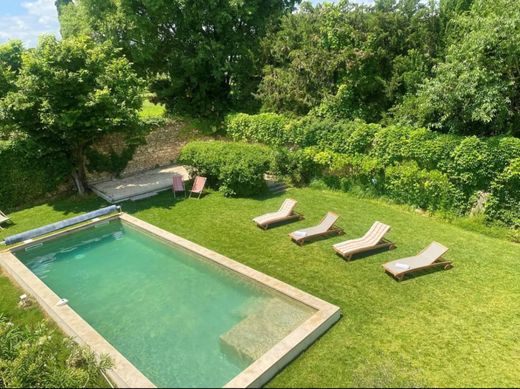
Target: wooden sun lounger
(198, 186)
(285, 213)
(372, 240)
(428, 258)
(3, 219)
(178, 185)
(325, 228)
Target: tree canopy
(475, 89)
(202, 55)
(70, 93)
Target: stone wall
(161, 148)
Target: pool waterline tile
(124, 373)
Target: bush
(471, 166)
(33, 358)
(504, 201)
(504, 150)
(297, 166)
(353, 154)
(267, 128)
(425, 189)
(431, 151)
(27, 175)
(236, 169)
(389, 144)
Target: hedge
(27, 177)
(236, 169)
(368, 153)
(504, 202)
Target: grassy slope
(445, 328)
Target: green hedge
(354, 153)
(236, 169)
(268, 128)
(426, 189)
(504, 201)
(26, 176)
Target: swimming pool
(181, 315)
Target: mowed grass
(442, 328)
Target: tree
(476, 89)
(10, 64)
(356, 60)
(69, 94)
(206, 52)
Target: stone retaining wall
(161, 148)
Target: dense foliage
(236, 169)
(33, 358)
(203, 55)
(504, 202)
(10, 64)
(349, 60)
(475, 88)
(69, 94)
(420, 167)
(23, 180)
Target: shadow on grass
(417, 274)
(366, 254)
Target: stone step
(261, 330)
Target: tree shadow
(367, 254)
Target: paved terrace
(140, 185)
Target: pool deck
(124, 374)
(139, 185)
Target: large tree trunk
(79, 174)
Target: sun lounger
(285, 213)
(198, 186)
(3, 219)
(178, 185)
(325, 228)
(372, 240)
(430, 257)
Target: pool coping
(124, 373)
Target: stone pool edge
(124, 373)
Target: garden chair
(430, 257)
(178, 185)
(325, 228)
(3, 219)
(372, 240)
(285, 213)
(198, 186)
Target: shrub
(297, 166)
(471, 166)
(390, 144)
(236, 169)
(361, 139)
(31, 358)
(504, 150)
(431, 150)
(267, 128)
(425, 189)
(348, 171)
(504, 201)
(27, 175)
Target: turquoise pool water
(180, 319)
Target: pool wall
(124, 374)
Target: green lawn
(443, 328)
(151, 110)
